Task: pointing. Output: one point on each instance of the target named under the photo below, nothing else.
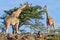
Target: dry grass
(27, 37)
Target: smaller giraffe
(49, 20)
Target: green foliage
(30, 14)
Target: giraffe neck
(47, 14)
(18, 11)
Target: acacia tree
(30, 16)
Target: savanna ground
(29, 36)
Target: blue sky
(53, 7)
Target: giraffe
(49, 20)
(13, 19)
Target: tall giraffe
(49, 20)
(13, 18)
(17, 13)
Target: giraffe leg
(7, 25)
(7, 28)
(47, 28)
(53, 26)
(13, 29)
(17, 27)
(50, 28)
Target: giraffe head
(24, 5)
(45, 7)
